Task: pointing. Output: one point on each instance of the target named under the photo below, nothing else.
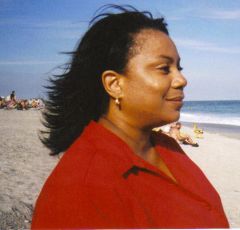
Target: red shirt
(101, 183)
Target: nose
(179, 81)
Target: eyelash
(180, 68)
(166, 69)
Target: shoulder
(66, 188)
(81, 165)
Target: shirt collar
(112, 146)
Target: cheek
(157, 87)
(149, 92)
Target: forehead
(154, 43)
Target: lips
(175, 98)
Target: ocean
(214, 116)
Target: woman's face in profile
(153, 83)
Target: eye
(164, 69)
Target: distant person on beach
(13, 96)
(23, 105)
(175, 132)
(198, 133)
(124, 79)
(2, 102)
(11, 102)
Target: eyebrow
(169, 58)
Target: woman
(124, 79)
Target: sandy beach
(218, 156)
(25, 165)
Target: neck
(137, 138)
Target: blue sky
(34, 33)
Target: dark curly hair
(77, 96)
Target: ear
(112, 83)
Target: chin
(174, 117)
(164, 119)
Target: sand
(219, 158)
(25, 165)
